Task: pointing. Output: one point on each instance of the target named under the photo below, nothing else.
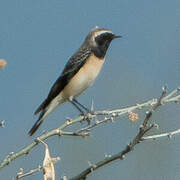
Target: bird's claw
(86, 117)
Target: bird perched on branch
(79, 73)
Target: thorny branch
(109, 116)
(146, 126)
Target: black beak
(114, 36)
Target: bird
(79, 73)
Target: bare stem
(31, 172)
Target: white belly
(83, 78)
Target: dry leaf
(49, 172)
(48, 163)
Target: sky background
(38, 37)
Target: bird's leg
(86, 117)
(75, 103)
(85, 108)
(77, 107)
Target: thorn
(92, 105)
(164, 88)
(2, 123)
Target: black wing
(71, 68)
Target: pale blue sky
(38, 37)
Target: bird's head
(99, 40)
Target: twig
(167, 134)
(31, 172)
(108, 115)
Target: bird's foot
(86, 117)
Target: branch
(120, 156)
(109, 116)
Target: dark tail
(37, 124)
(41, 107)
